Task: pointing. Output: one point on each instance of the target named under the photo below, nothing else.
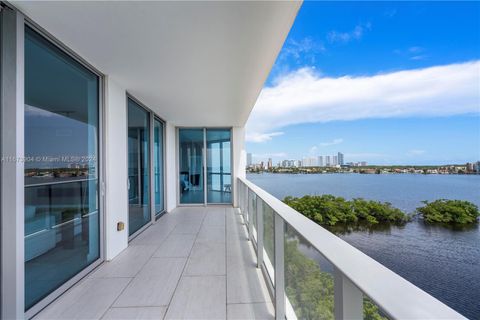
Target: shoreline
(367, 173)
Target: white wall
(116, 193)
(171, 167)
(239, 157)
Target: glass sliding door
(219, 174)
(158, 152)
(200, 184)
(139, 213)
(191, 167)
(62, 218)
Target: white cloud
(412, 53)
(331, 143)
(307, 97)
(344, 37)
(419, 57)
(313, 150)
(261, 137)
(416, 49)
(301, 49)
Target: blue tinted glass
(219, 174)
(191, 166)
(138, 167)
(62, 231)
(158, 166)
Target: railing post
(279, 268)
(348, 299)
(259, 210)
(245, 203)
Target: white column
(116, 169)
(171, 172)
(239, 158)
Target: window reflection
(191, 166)
(138, 167)
(61, 168)
(219, 175)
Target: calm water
(443, 262)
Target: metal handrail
(58, 182)
(397, 297)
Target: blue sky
(387, 83)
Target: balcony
(221, 262)
(195, 262)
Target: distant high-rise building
(309, 162)
(334, 160)
(269, 165)
(363, 163)
(470, 167)
(476, 167)
(320, 161)
(340, 158)
(249, 159)
(327, 161)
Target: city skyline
(334, 160)
(379, 83)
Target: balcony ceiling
(194, 63)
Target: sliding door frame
(12, 145)
(13, 262)
(156, 215)
(151, 122)
(232, 184)
(205, 171)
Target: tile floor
(194, 263)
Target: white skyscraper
(249, 159)
(335, 160)
(327, 161)
(320, 161)
(340, 159)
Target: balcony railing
(314, 274)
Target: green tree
(328, 210)
(449, 211)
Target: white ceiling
(194, 63)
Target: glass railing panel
(252, 206)
(61, 234)
(254, 217)
(309, 279)
(269, 239)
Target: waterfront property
(123, 190)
